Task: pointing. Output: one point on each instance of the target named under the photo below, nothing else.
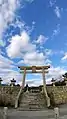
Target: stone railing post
(5, 113)
(45, 91)
(56, 113)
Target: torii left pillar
(23, 80)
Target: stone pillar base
(48, 101)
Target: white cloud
(48, 52)
(64, 57)
(33, 22)
(48, 62)
(5, 62)
(34, 58)
(56, 72)
(30, 1)
(7, 70)
(34, 82)
(56, 31)
(57, 11)
(41, 39)
(8, 76)
(18, 23)
(7, 14)
(52, 3)
(20, 44)
(2, 43)
(21, 25)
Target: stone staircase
(32, 101)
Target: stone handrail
(45, 91)
(47, 97)
(17, 98)
(1, 115)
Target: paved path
(46, 114)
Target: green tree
(65, 75)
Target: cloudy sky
(33, 32)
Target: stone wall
(8, 95)
(57, 94)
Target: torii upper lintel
(30, 67)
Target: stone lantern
(13, 82)
(27, 88)
(0, 80)
(53, 82)
(65, 79)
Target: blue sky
(33, 32)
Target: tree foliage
(65, 75)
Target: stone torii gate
(36, 69)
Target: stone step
(24, 101)
(27, 96)
(40, 105)
(23, 105)
(32, 101)
(30, 109)
(35, 99)
(28, 101)
(38, 101)
(31, 94)
(32, 104)
(32, 97)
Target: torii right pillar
(44, 87)
(24, 75)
